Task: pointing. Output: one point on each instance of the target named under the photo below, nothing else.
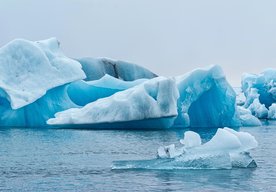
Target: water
(80, 160)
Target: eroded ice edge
(226, 150)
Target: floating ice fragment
(191, 139)
(227, 149)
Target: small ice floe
(227, 149)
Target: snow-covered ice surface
(33, 78)
(227, 149)
(152, 99)
(29, 69)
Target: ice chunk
(246, 118)
(206, 99)
(240, 98)
(95, 68)
(260, 92)
(227, 149)
(223, 140)
(247, 141)
(29, 69)
(257, 109)
(264, 84)
(251, 96)
(191, 139)
(153, 99)
(169, 151)
(272, 111)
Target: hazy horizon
(168, 37)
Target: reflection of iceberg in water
(227, 149)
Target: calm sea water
(80, 160)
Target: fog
(169, 37)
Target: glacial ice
(96, 68)
(227, 149)
(37, 113)
(38, 80)
(272, 111)
(246, 117)
(33, 78)
(29, 69)
(153, 99)
(84, 92)
(206, 99)
(257, 109)
(260, 93)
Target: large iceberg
(260, 93)
(227, 149)
(31, 78)
(37, 81)
(206, 99)
(153, 99)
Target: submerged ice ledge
(226, 150)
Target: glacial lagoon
(80, 160)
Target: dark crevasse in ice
(96, 68)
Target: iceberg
(151, 104)
(38, 82)
(96, 68)
(33, 78)
(206, 99)
(260, 92)
(227, 149)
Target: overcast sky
(170, 37)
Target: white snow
(29, 69)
